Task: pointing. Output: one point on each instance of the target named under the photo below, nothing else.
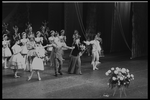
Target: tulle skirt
(24, 50)
(17, 62)
(42, 52)
(37, 64)
(31, 53)
(6, 52)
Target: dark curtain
(98, 18)
(91, 20)
(140, 29)
(121, 35)
(56, 16)
(71, 21)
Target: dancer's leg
(5, 64)
(29, 78)
(15, 73)
(93, 60)
(38, 74)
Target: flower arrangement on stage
(119, 77)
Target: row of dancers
(29, 53)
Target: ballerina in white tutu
(16, 61)
(49, 49)
(24, 41)
(62, 37)
(31, 46)
(39, 41)
(37, 63)
(5, 50)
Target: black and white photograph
(74, 49)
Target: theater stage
(92, 84)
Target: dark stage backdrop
(140, 30)
(121, 34)
(71, 21)
(95, 16)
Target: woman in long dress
(16, 61)
(75, 63)
(24, 41)
(6, 53)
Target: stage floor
(92, 84)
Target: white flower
(114, 78)
(106, 73)
(132, 75)
(128, 75)
(121, 78)
(116, 72)
(133, 78)
(123, 70)
(109, 71)
(112, 68)
(117, 68)
(127, 71)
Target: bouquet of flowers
(82, 47)
(119, 77)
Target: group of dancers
(31, 54)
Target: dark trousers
(57, 65)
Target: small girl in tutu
(62, 38)
(24, 41)
(16, 61)
(39, 41)
(5, 50)
(31, 45)
(37, 64)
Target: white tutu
(24, 50)
(6, 52)
(41, 51)
(17, 62)
(37, 64)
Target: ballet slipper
(96, 68)
(29, 78)
(17, 76)
(39, 79)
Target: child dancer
(24, 41)
(37, 64)
(16, 61)
(5, 49)
(62, 38)
(95, 52)
(39, 41)
(49, 49)
(31, 45)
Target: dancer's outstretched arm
(68, 47)
(88, 42)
